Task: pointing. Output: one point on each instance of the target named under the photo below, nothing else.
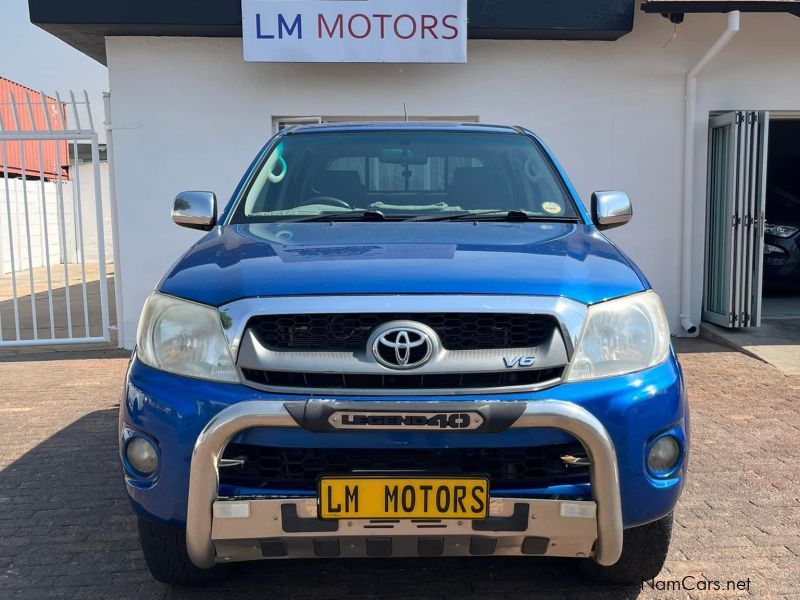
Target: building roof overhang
(86, 24)
(676, 9)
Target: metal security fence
(54, 279)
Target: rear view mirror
(401, 156)
(611, 209)
(195, 210)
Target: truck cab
(404, 340)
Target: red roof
(54, 156)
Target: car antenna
(405, 112)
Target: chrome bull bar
(552, 414)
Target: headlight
(621, 336)
(781, 231)
(184, 338)
(770, 249)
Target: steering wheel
(533, 171)
(329, 200)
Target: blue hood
(291, 259)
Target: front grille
(349, 332)
(433, 381)
(297, 469)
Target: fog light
(142, 456)
(663, 454)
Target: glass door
(737, 162)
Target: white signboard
(403, 31)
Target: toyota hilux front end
(404, 340)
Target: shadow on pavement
(698, 345)
(67, 531)
(61, 353)
(79, 311)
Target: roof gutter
(688, 168)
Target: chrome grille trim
(252, 355)
(248, 352)
(422, 391)
(569, 313)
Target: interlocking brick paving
(66, 530)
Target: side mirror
(611, 209)
(195, 210)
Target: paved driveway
(60, 275)
(66, 530)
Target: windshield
(403, 175)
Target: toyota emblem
(403, 346)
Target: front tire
(644, 550)
(165, 553)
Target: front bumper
(288, 528)
(616, 419)
(205, 514)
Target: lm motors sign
(407, 31)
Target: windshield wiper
(350, 215)
(486, 215)
(498, 215)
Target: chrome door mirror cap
(611, 209)
(195, 210)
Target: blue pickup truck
(404, 340)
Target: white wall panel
(190, 114)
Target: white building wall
(76, 193)
(89, 214)
(39, 214)
(190, 114)
(760, 70)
